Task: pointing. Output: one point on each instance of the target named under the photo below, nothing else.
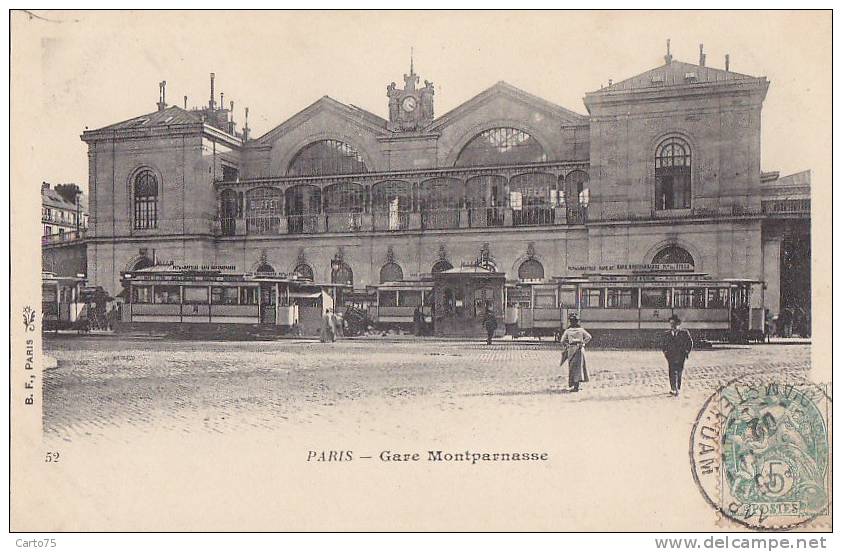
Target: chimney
(668, 57)
(212, 103)
(185, 102)
(162, 95)
(246, 126)
(610, 82)
(45, 186)
(727, 62)
(222, 100)
(702, 55)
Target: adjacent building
(64, 212)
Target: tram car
(62, 304)
(216, 304)
(631, 310)
(396, 303)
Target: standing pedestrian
(573, 342)
(327, 327)
(417, 320)
(676, 345)
(489, 320)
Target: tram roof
(164, 272)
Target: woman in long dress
(573, 343)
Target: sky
(78, 70)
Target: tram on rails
(68, 304)
(632, 309)
(216, 303)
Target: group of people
(676, 345)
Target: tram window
(196, 295)
(519, 297)
(620, 298)
(168, 295)
(591, 298)
(48, 294)
(141, 294)
(689, 298)
(654, 298)
(388, 299)
(567, 299)
(224, 295)
(410, 299)
(544, 299)
(249, 295)
(717, 298)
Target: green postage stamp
(760, 452)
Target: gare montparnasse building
(665, 168)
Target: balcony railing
(344, 222)
(391, 220)
(66, 237)
(486, 217)
(440, 219)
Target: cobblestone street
(172, 385)
(220, 436)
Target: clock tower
(410, 109)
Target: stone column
(772, 272)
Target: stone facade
(413, 194)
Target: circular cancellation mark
(760, 452)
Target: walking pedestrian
(417, 320)
(573, 342)
(676, 346)
(489, 320)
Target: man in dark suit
(676, 345)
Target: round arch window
(391, 272)
(530, 269)
(342, 275)
(673, 254)
(441, 266)
(326, 157)
(264, 268)
(304, 271)
(501, 146)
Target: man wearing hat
(573, 343)
(676, 345)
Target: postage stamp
(760, 452)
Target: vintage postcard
(421, 271)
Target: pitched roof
(326, 102)
(675, 72)
(51, 198)
(172, 115)
(503, 88)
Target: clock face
(409, 103)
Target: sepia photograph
(462, 271)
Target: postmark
(760, 452)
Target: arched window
(501, 146)
(342, 275)
(530, 269)
(672, 174)
(673, 254)
(263, 211)
(145, 201)
(228, 214)
(440, 200)
(391, 272)
(391, 203)
(326, 157)
(441, 266)
(304, 271)
(343, 203)
(302, 205)
(264, 268)
(531, 198)
(575, 195)
(485, 198)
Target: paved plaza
(173, 435)
(221, 386)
